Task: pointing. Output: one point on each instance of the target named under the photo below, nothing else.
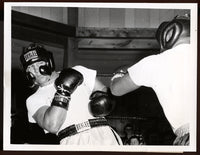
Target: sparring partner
(71, 103)
(168, 73)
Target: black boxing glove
(67, 82)
(101, 104)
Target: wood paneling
(154, 18)
(36, 11)
(166, 14)
(104, 17)
(107, 61)
(107, 17)
(81, 17)
(130, 18)
(142, 18)
(117, 18)
(56, 14)
(65, 16)
(92, 17)
(106, 49)
(24, 9)
(46, 13)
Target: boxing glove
(67, 82)
(101, 104)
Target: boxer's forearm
(50, 118)
(99, 86)
(115, 87)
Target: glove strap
(61, 101)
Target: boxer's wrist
(61, 101)
(118, 74)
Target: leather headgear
(170, 33)
(34, 53)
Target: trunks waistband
(80, 127)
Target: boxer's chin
(43, 80)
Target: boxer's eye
(42, 69)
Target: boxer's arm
(50, 118)
(99, 86)
(122, 85)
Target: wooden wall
(127, 18)
(27, 28)
(52, 13)
(106, 17)
(107, 49)
(98, 52)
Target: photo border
(105, 150)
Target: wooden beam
(36, 35)
(91, 32)
(73, 16)
(110, 55)
(42, 24)
(70, 50)
(113, 52)
(118, 43)
(70, 45)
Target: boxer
(72, 103)
(169, 74)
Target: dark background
(135, 96)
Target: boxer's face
(33, 69)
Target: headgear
(179, 28)
(34, 53)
